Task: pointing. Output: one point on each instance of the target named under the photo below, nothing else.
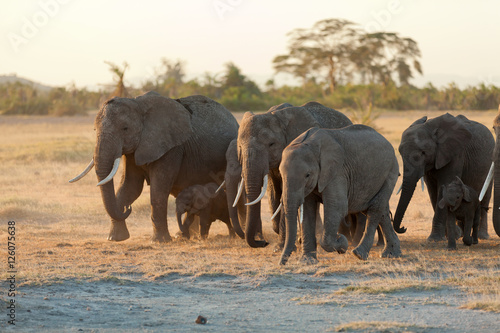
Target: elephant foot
(340, 243)
(391, 253)
(181, 235)
(118, 232)
(161, 238)
(451, 248)
(284, 259)
(436, 238)
(360, 253)
(309, 258)
(483, 235)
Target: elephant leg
(483, 224)
(130, 189)
(205, 224)
(274, 190)
(475, 225)
(186, 224)
(451, 227)
(162, 177)
(380, 234)
(346, 225)
(438, 230)
(335, 207)
(308, 230)
(386, 232)
(360, 228)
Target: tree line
(336, 62)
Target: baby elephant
(462, 204)
(202, 201)
(349, 170)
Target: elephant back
(327, 117)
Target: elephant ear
(331, 159)
(419, 121)
(295, 120)
(166, 124)
(466, 190)
(451, 136)
(442, 202)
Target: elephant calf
(203, 201)
(351, 170)
(462, 204)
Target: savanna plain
(70, 278)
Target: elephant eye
(271, 144)
(423, 152)
(307, 175)
(125, 128)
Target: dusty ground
(69, 278)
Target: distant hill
(14, 78)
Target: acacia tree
(326, 46)
(341, 52)
(379, 56)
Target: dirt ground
(70, 279)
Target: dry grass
(61, 228)
(379, 326)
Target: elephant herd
(303, 156)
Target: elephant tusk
(422, 181)
(301, 214)
(277, 210)
(487, 182)
(264, 188)
(116, 164)
(86, 171)
(220, 187)
(238, 195)
(400, 189)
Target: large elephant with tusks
(170, 144)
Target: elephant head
(426, 145)
(143, 129)
(452, 196)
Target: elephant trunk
(253, 174)
(179, 221)
(407, 191)
(290, 210)
(103, 167)
(496, 195)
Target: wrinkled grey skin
(204, 202)
(496, 177)
(441, 149)
(261, 140)
(462, 204)
(172, 144)
(335, 167)
(232, 178)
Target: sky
(59, 42)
